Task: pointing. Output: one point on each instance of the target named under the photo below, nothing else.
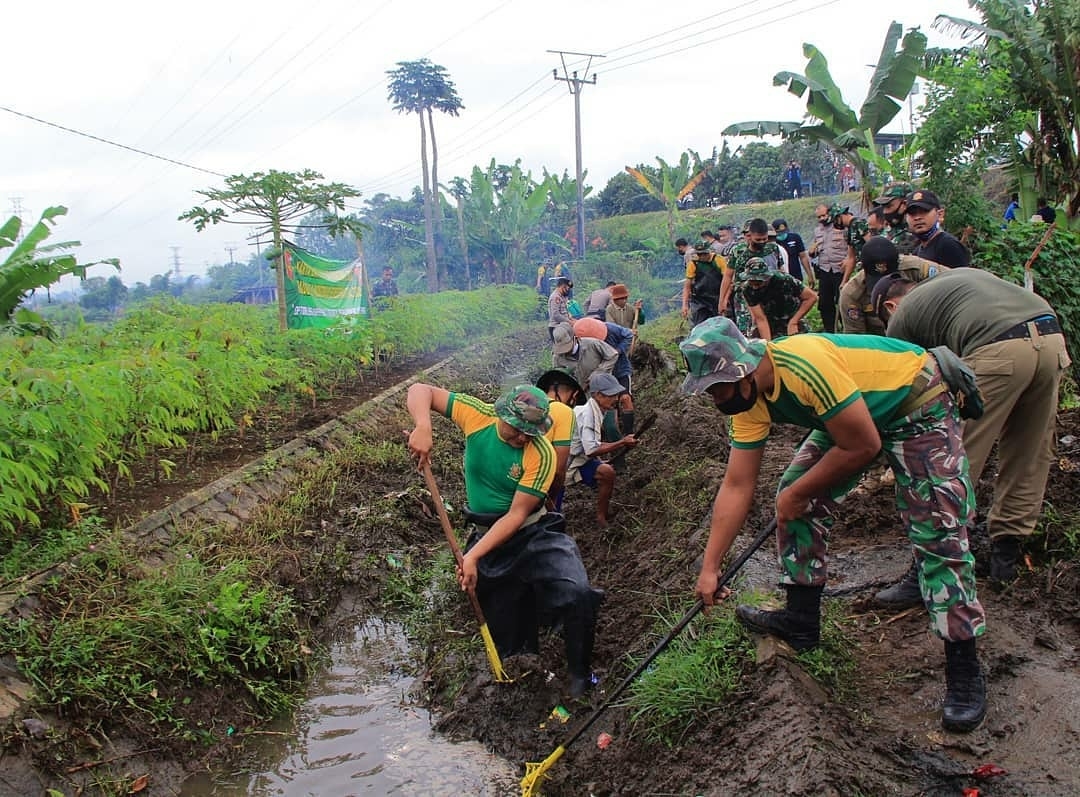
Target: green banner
(319, 292)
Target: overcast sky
(235, 86)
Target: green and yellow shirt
(494, 469)
(818, 375)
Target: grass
(707, 663)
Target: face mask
(894, 219)
(781, 236)
(737, 403)
(825, 222)
(838, 224)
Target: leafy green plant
(699, 670)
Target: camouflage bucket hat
(757, 270)
(836, 210)
(526, 409)
(893, 191)
(715, 351)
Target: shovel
(530, 784)
(448, 530)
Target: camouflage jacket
(854, 306)
(736, 263)
(779, 299)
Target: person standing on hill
(793, 179)
(1012, 340)
(521, 564)
(1012, 208)
(558, 311)
(859, 395)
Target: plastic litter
(988, 771)
(603, 740)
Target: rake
(534, 773)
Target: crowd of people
(937, 363)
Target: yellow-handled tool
(448, 530)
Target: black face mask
(825, 222)
(738, 403)
(894, 219)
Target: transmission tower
(176, 260)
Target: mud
(783, 733)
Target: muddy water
(358, 733)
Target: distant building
(263, 294)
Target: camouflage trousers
(936, 502)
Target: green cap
(758, 269)
(893, 191)
(716, 351)
(836, 210)
(526, 409)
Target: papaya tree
(275, 203)
(671, 183)
(32, 264)
(831, 121)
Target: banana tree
(830, 120)
(1036, 45)
(671, 184)
(30, 266)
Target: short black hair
(682, 242)
(757, 226)
(707, 234)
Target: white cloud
(240, 86)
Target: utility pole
(230, 249)
(575, 84)
(17, 210)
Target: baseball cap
(605, 383)
(562, 338)
(716, 351)
(877, 250)
(927, 200)
(780, 225)
(525, 407)
(893, 191)
(881, 288)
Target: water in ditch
(358, 733)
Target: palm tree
(422, 87)
(1038, 45)
(671, 184)
(831, 121)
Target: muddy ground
(783, 733)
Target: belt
(919, 395)
(1043, 325)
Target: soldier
(777, 301)
(893, 204)
(879, 257)
(858, 396)
(757, 244)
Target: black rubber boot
(904, 593)
(799, 624)
(965, 688)
(1004, 555)
(579, 629)
(626, 423)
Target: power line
(92, 137)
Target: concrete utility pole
(176, 259)
(575, 84)
(230, 250)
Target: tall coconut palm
(831, 121)
(422, 87)
(1038, 45)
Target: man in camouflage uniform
(879, 257)
(858, 395)
(777, 301)
(893, 204)
(755, 245)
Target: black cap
(879, 250)
(780, 225)
(927, 200)
(881, 289)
